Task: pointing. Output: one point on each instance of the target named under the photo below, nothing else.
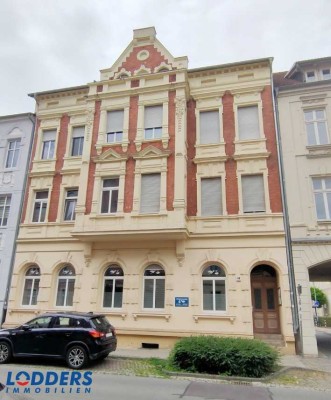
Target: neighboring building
(304, 108)
(16, 135)
(154, 197)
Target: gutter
(288, 239)
(12, 260)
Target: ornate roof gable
(145, 54)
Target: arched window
(213, 282)
(113, 287)
(31, 286)
(154, 287)
(66, 286)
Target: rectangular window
(248, 123)
(48, 145)
(40, 206)
(113, 293)
(211, 196)
(78, 133)
(310, 76)
(70, 204)
(5, 201)
(115, 122)
(109, 195)
(253, 193)
(154, 293)
(12, 153)
(209, 127)
(150, 193)
(316, 128)
(326, 73)
(322, 194)
(153, 122)
(31, 289)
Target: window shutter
(211, 196)
(153, 116)
(150, 193)
(253, 193)
(115, 121)
(209, 127)
(49, 135)
(78, 131)
(248, 122)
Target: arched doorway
(265, 300)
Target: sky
(52, 44)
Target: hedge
(223, 355)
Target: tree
(320, 296)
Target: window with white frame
(65, 286)
(113, 287)
(5, 200)
(115, 122)
(153, 122)
(109, 197)
(150, 193)
(322, 194)
(211, 196)
(248, 123)
(31, 286)
(78, 133)
(48, 144)
(209, 127)
(253, 197)
(310, 76)
(70, 204)
(154, 287)
(12, 153)
(40, 206)
(316, 127)
(326, 73)
(213, 288)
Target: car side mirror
(26, 327)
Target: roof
(281, 80)
(296, 66)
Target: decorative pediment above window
(151, 152)
(163, 67)
(122, 74)
(142, 70)
(110, 155)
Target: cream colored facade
(305, 160)
(179, 238)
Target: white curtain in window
(209, 127)
(253, 193)
(49, 135)
(211, 196)
(153, 116)
(150, 193)
(248, 122)
(115, 121)
(78, 131)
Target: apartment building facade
(16, 135)
(154, 197)
(304, 111)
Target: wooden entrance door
(265, 300)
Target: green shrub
(222, 355)
(324, 322)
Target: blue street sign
(181, 302)
(316, 304)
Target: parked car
(76, 338)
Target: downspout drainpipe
(288, 239)
(12, 260)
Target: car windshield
(100, 322)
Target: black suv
(74, 337)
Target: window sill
(318, 150)
(149, 215)
(113, 216)
(25, 309)
(151, 315)
(231, 318)
(114, 313)
(324, 222)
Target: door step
(275, 340)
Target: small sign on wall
(181, 301)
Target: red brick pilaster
(231, 183)
(57, 179)
(171, 158)
(191, 167)
(272, 161)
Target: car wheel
(5, 352)
(76, 357)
